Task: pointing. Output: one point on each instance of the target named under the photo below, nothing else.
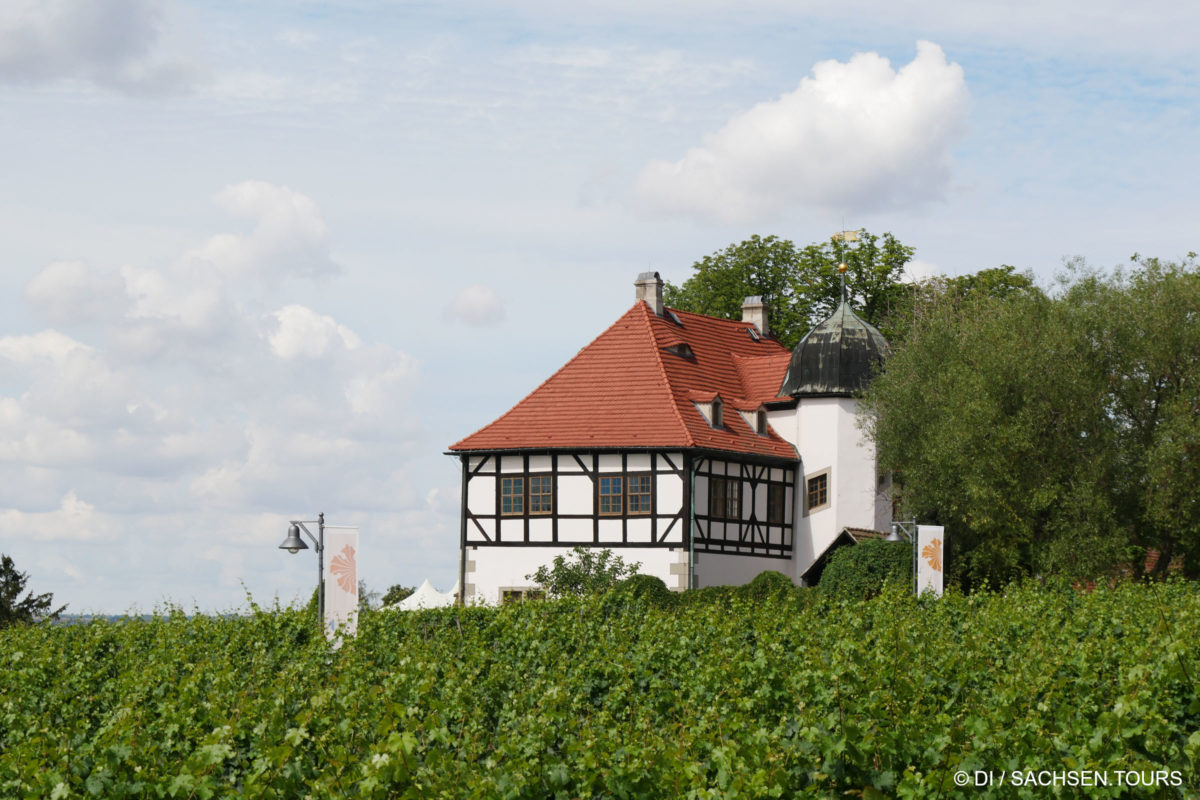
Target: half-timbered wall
(576, 516)
(733, 512)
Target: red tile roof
(625, 390)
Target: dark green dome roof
(836, 358)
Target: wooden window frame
(520, 594)
(725, 502)
(618, 495)
(821, 480)
(630, 494)
(776, 503)
(518, 497)
(546, 496)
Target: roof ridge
(664, 379)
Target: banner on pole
(341, 581)
(931, 548)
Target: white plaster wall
(829, 438)
(574, 494)
(714, 569)
(506, 567)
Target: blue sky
(263, 261)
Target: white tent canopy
(426, 597)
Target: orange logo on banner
(932, 553)
(344, 568)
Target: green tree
(396, 593)
(800, 286)
(13, 609)
(587, 571)
(1049, 433)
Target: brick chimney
(754, 311)
(649, 288)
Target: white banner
(341, 581)
(931, 549)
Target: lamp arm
(316, 544)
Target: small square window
(817, 494)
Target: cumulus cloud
(476, 305)
(116, 44)
(154, 312)
(303, 333)
(855, 136)
(166, 399)
(74, 519)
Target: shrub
(768, 584)
(646, 589)
(859, 572)
(586, 571)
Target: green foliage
(396, 593)
(577, 699)
(861, 572)
(801, 286)
(1050, 434)
(586, 571)
(768, 584)
(647, 589)
(14, 609)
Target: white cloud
(303, 333)
(289, 237)
(856, 136)
(69, 292)
(477, 305)
(188, 406)
(73, 520)
(116, 44)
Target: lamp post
(294, 544)
(906, 530)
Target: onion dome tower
(836, 358)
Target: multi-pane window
(541, 494)
(723, 497)
(512, 495)
(611, 494)
(517, 595)
(775, 503)
(818, 492)
(638, 494)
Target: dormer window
(760, 422)
(680, 349)
(718, 412)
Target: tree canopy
(15, 610)
(800, 286)
(1051, 433)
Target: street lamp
(906, 531)
(294, 544)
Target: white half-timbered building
(700, 447)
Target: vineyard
(782, 693)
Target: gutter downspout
(692, 526)
(461, 600)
